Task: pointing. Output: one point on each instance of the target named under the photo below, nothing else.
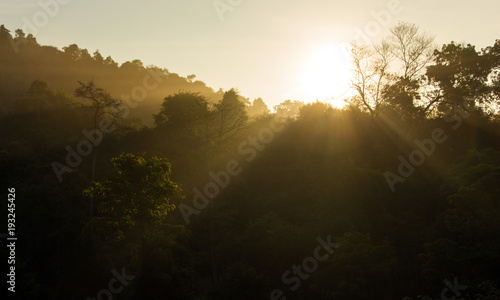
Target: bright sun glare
(326, 75)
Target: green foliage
(192, 113)
(183, 111)
(320, 175)
(24, 60)
(139, 196)
(359, 269)
(462, 74)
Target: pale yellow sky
(265, 48)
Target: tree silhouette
(412, 49)
(371, 75)
(258, 108)
(232, 116)
(288, 109)
(388, 73)
(101, 104)
(460, 78)
(136, 201)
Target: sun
(326, 75)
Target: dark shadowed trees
(388, 74)
(105, 110)
(231, 116)
(213, 123)
(461, 77)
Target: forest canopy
(394, 196)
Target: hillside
(202, 195)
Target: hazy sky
(274, 49)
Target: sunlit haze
(250, 149)
(325, 75)
(274, 50)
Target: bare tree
(101, 104)
(412, 49)
(371, 74)
(397, 61)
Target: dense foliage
(220, 199)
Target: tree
(132, 66)
(190, 113)
(389, 73)
(40, 99)
(360, 268)
(460, 78)
(98, 57)
(136, 201)
(7, 45)
(493, 52)
(414, 51)
(258, 108)
(4, 35)
(288, 109)
(183, 110)
(36, 99)
(38, 87)
(102, 104)
(402, 95)
(315, 111)
(110, 62)
(20, 34)
(72, 51)
(371, 74)
(193, 113)
(232, 116)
